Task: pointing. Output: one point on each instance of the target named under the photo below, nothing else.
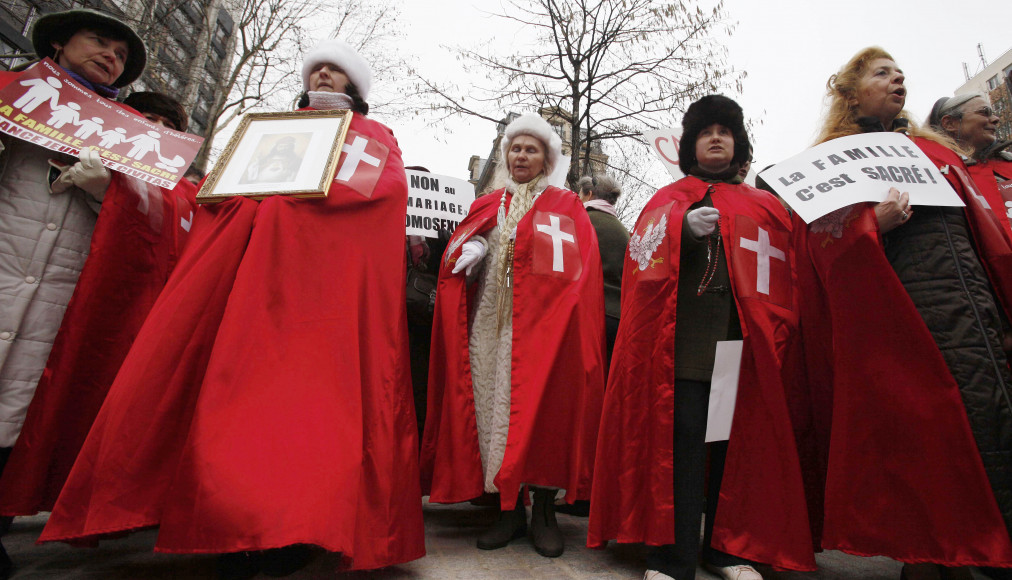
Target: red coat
(904, 475)
(557, 379)
(267, 400)
(983, 174)
(762, 514)
(137, 239)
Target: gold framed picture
(293, 154)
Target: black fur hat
(705, 112)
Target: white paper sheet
(723, 390)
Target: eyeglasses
(986, 112)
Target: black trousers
(679, 560)
(5, 521)
(610, 332)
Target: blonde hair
(841, 88)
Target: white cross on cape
(356, 153)
(764, 253)
(558, 236)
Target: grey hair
(586, 182)
(952, 106)
(607, 188)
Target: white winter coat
(44, 242)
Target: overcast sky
(788, 48)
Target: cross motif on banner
(764, 253)
(356, 154)
(558, 236)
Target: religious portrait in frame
(293, 154)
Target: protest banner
(45, 106)
(1005, 189)
(664, 143)
(436, 202)
(858, 168)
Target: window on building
(220, 34)
(993, 82)
(17, 14)
(175, 49)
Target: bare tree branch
(609, 69)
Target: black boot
(6, 565)
(997, 573)
(579, 508)
(238, 565)
(510, 526)
(280, 562)
(545, 534)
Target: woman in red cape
(267, 402)
(915, 305)
(517, 366)
(85, 252)
(971, 121)
(133, 250)
(685, 287)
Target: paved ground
(450, 536)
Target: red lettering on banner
(362, 162)
(674, 142)
(761, 262)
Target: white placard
(723, 390)
(664, 143)
(436, 202)
(858, 168)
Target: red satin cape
(904, 477)
(762, 514)
(983, 174)
(267, 400)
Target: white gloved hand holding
(702, 221)
(88, 174)
(470, 254)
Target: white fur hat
(532, 124)
(343, 55)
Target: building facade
(995, 80)
(190, 45)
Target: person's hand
(702, 221)
(88, 174)
(894, 211)
(470, 254)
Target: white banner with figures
(436, 202)
(858, 168)
(664, 143)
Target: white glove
(88, 174)
(702, 221)
(470, 254)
